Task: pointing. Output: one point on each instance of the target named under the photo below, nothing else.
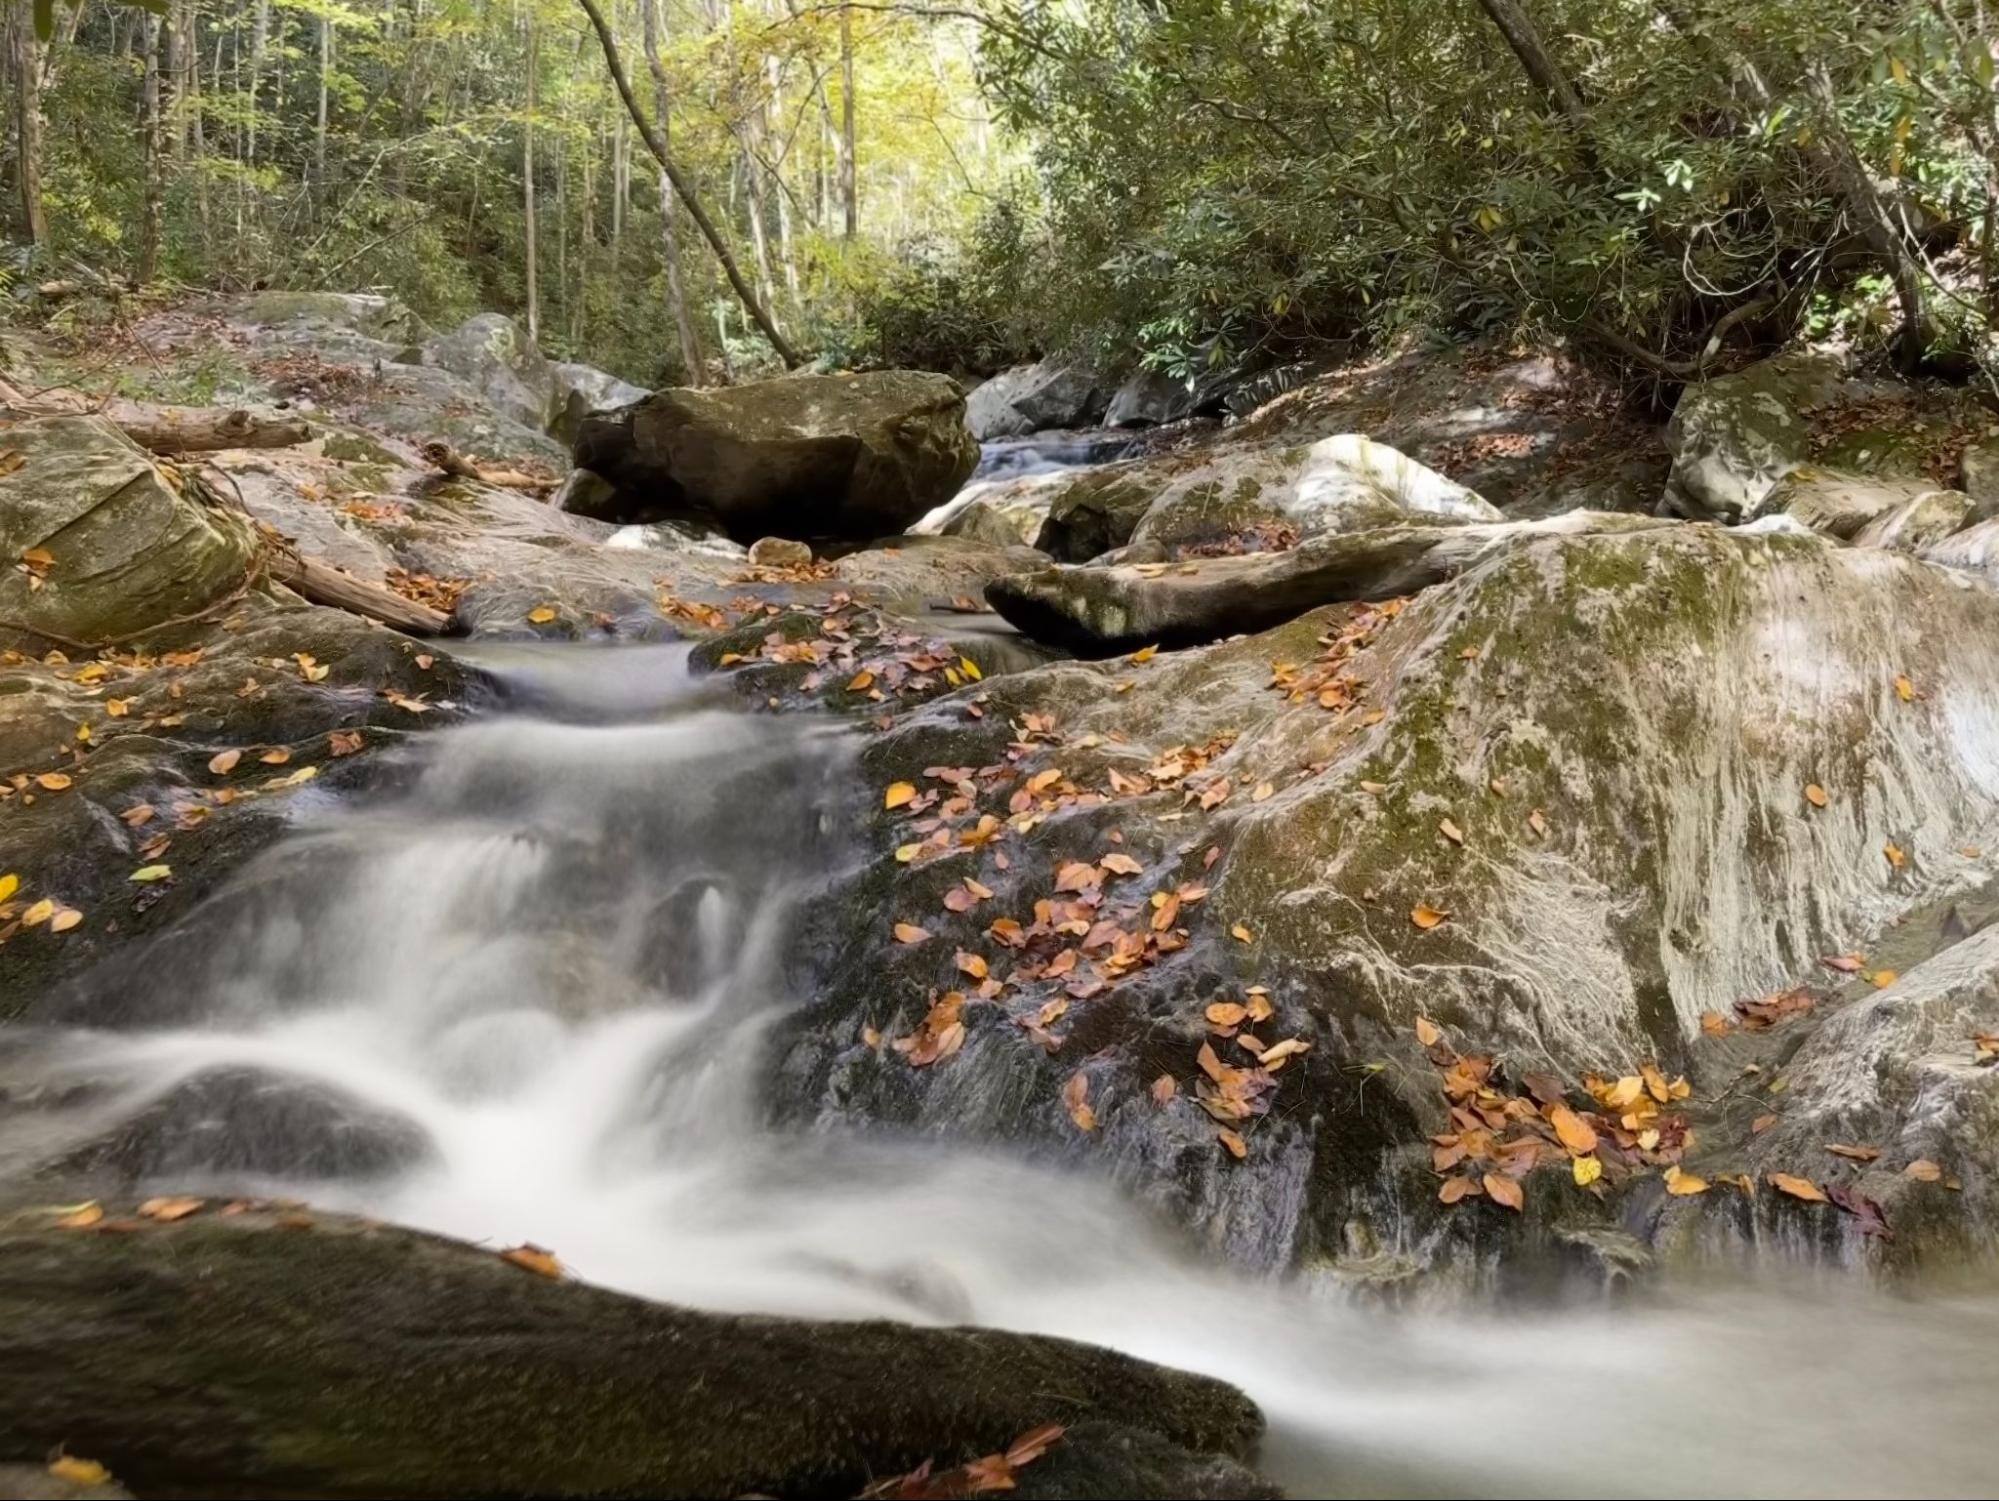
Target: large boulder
(580, 391)
(1918, 522)
(1029, 398)
(495, 356)
(806, 456)
(1836, 502)
(281, 1352)
(101, 544)
(1732, 438)
(1568, 808)
(1344, 483)
(1152, 398)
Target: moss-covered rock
(276, 1352)
(114, 545)
(1838, 503)
(1735, 436)
(495, 356)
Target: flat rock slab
(285, 1351)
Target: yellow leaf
(1242, 934)
(1897, 858)
(1425, 916)
(541, 614)
(904, 853)
(147, 874)
(9, 884)
(1905, 690)
(970, 668)
(38, 914)
(533, 1258)
(1586, 1170)
(1684, 1185)
(1883, 978)
(52, 781)
(861, 681)
(1145, 654)
(77, 1471)
(898, 794)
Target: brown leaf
(971, 964)
(1845, 964)
(1896, 857)
(52, 781)
(1164, 1088)
(1227, 1014)
(138, 815)
(1715, 1024)
(1684, 1184)
(1923, 1171)
(1451, 831)
(1119, 864)
(82, 1217)
(1425, 916)
(1572, 1130)
(1505, 1190)
(1852, 1153)
(1761, 1124)
(1455, 1189)
(908, 932)
(1036, 1442)
(168, 1210)
(344, 742)
(1428, 1032)
(224, 762)
(277, 755)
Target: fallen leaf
(1896, 857)
(224, 762)
(1457, 1188)
(1226, 1014)
(1425, 916)
(1428, 1032)
(1883, 978)
(9, 884)
(1845, 964)
(1232, 1140)
(1538, 822)
(541, 614)
(1683, 1184)
(1815, 795)
(167, 1210)
(1905, 690)
(1263, 790)
(81, 1217)
(277, 755)
(533, 1258)
(1120, 864)
(52, 781)
(65, 919)
(344, 742)
(1797, 1188)
(1715, 1024)
(1451, 831)
(1164, 1088)
(971, 964)
(899, 793)
(1241, 934)
(38, 914)
(1852, 1153)
(1145, 654)
(1586, 1170)
(145, 875)
(1036, 1442)
(1761, 1124)
(1505, 1190)
(1572, 1130)
(68, 1467)
(908, 932)
(1923, 1171)
(1076, 1096)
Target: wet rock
(495, 356)
(1098, 510)
(1007, 512)
(236, 1120)
(1152, 398)
(422, 402)
(780, 552)
(1732, 438)
(128, 549)
(581, 391)
(1103, 609)
(810, 456)
(34, 1482)
(1619, 727)
(336, 1360)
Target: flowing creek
(525, 988)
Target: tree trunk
(28, 123)
(669, 210)
(319, 125)
(260, 34)
(527, 182)
(850, 207)
(657, 146)
(1511, 17)
(149, 220)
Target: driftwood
(324, 584)
(162, 429)
(447, 460)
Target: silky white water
(553, 962)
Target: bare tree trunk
(669, 210)
(850, 204)
(260, 34)
(527, 181)
(149, 220)
(774, 72)
(319, 125)
(657, 146)
(27, 72)
(1511, 17)
(173, 80)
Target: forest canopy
(1187, 184)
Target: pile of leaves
(978, 1477)
(440, 594)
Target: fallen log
(1103, 610)
(164, 429)
(449, 461)
(323, 584)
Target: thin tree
(685, 190)
(676, 291)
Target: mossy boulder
(1839, 503)
(807, 456)
(580, 391)
(129, 547)
(278, 1352)
(1733, 437)
(494, 355)
(1918, 522)
(1618, 728)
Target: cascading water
(524, 996)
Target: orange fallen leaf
(1457, 1188)
(72, 1469)
(1852, 1153)
(908, 932)
(541, 614)
(971, 964)
(65, 919)
(52, 781)
(1428, 1032)
(1425, 916)
(1076, 1096)
(81, 1217)
(224, 762)
(1226, 1014)
(1572, 1130)
(167, 1210)
(1241, 934)
(1815, 795)
(1797, 1188)
(1232, 1140)
(1905, 690)
(1505, 1190)
(1883, 978)
(533, 1258)
(1923, 1171)
(1683, 1184)
(898, 793)
(1897, 858)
